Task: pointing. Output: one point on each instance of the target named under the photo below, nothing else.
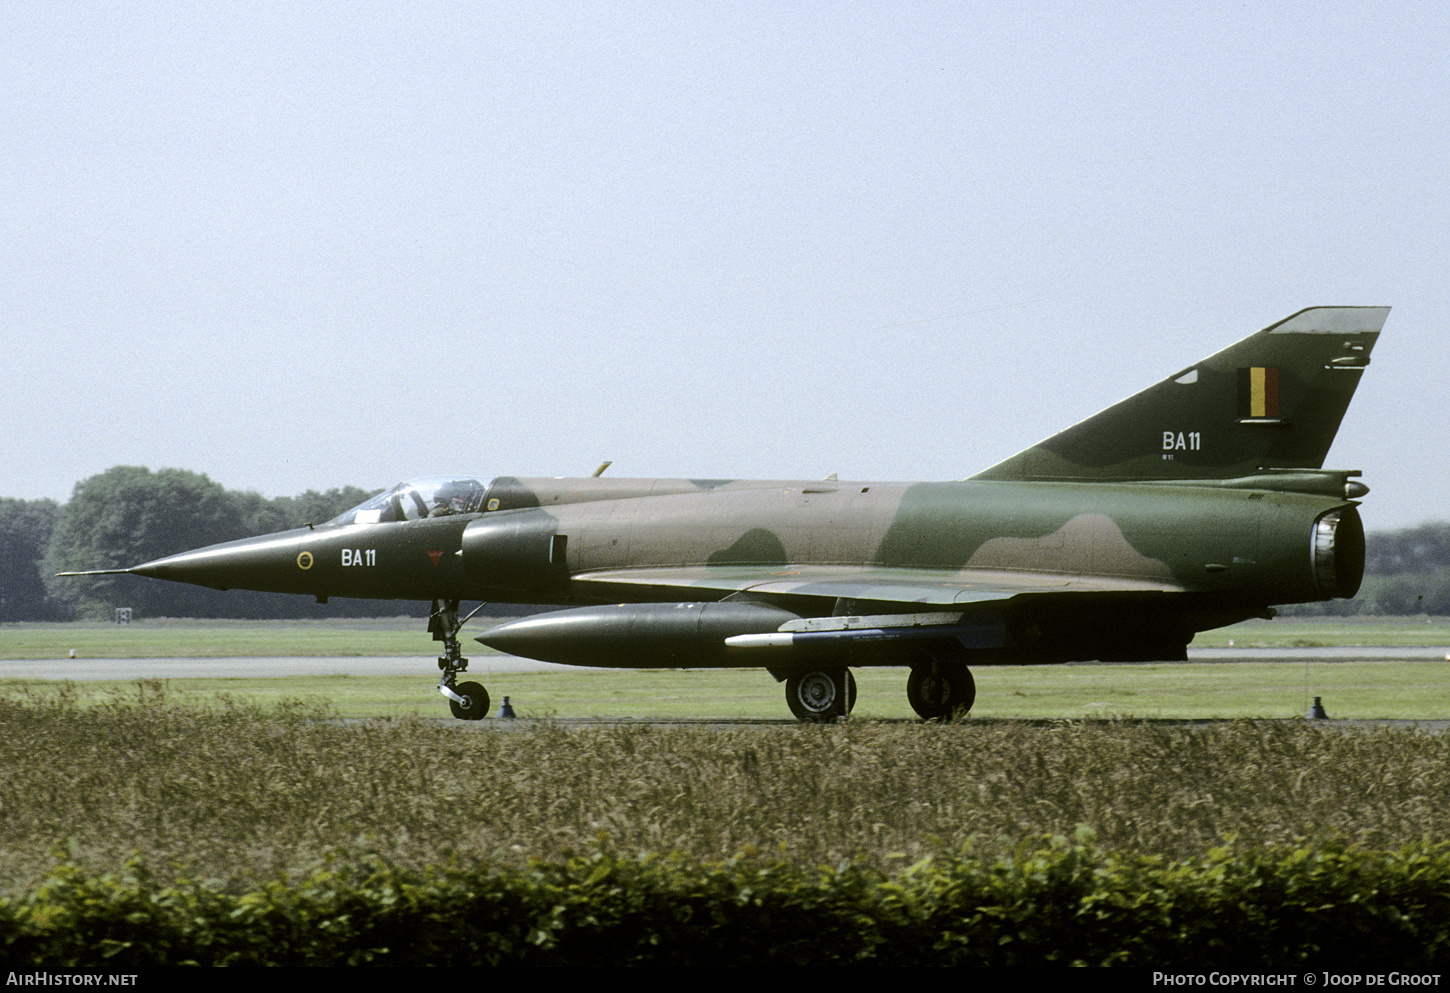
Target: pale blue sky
(299, 246)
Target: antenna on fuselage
(600, 471)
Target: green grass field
(244, 783)
(384, 636)
(1405, 690)
(1399, 690)
(165, 638)
(227, 790)
(1324, 632)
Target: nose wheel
(468, 701)
(471, 703)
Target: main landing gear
(938, 688)
(468, 701)
(821, 695)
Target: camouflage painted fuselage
(1151, 563)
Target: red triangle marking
(436, 557)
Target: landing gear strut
(468, 701)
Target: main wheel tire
(475, 702)
(820, 695)
(937, 689)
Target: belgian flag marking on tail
(1259, 392)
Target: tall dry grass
(234, 793)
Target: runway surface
(82, 670)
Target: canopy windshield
(433, 496)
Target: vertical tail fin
(1274, 400)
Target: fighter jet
(1197, 503)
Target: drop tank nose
(649, 635)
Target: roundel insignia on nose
(304, 560)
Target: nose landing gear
(468, 701)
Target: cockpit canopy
(415, 499)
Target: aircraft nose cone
(249, 563)
(197, 567)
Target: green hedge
(1322, 907)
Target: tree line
(128, 515)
